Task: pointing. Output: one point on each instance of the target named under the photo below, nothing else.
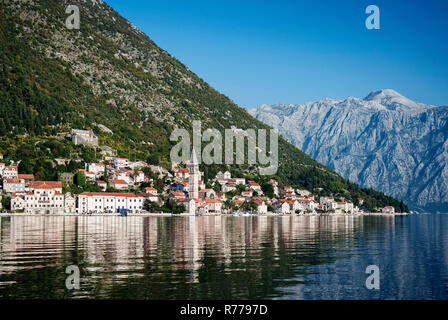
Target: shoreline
(13, 214)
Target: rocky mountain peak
(382, 94)
(392, 99)
(384, 141)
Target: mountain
(384, 141)
(109, 74)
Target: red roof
(116, 181)
(45, 184)
(13, 180)
(213, 201)
(108, 194)
(26, 176)
(177, 193)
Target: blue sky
(259, 52)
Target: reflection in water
(219, 257)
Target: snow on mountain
(384, 141)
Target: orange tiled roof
(109, 194)
(213, 201)
(26, 176)
(45, 184)
(117, 181)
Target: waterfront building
(388, 209)
(214, 206)
(44, 197)
(108, 202)
(69, 203)
(190, 205)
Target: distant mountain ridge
(384, 141)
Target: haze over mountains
(384, 141)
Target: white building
(91, 176)
(214, 206)
(69, 203)
(119, 163)
(262, 208)
(303, 192)
(13, 185)
(99, 202)
(239, 180)
(282, 207)
(388, 209)
(226, 175)
(45, 197)
(254, 186)
(10, 172)
(152, 191)
(17, 201)
(139, 177)
(118, 184)
(329, 203)
(247, 193)
(346, 206)
(101, 184)
(228, 187)
(125, 175)
(190, 205)
(97, 168)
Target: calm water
(224, 257)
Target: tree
(153, 159)
(402, 206)
(3, 130)
(268, 190)
(80, 179)
(151, 206)
(6, 203)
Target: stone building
(86, 137)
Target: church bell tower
(193, 181)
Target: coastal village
(187, 190)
